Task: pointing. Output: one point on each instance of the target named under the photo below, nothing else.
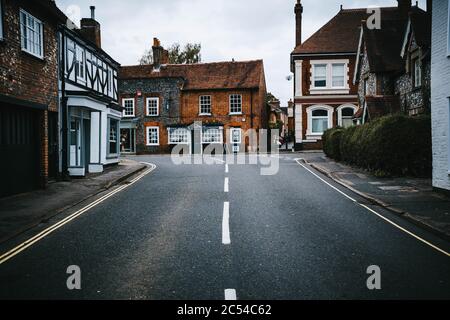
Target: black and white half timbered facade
(92, 114)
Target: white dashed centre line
(227, 169)
(230, 294)
(226, 240)
(226, 185)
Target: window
(153, 136)
(128, 104)
(319, 121)
(338, 75)
(79, 63)
(1, 21)
(153, 107)
(179, 136)
(346, 117)
(31, 33)
(320, 76)
(211, 135)
(205, 105)
(113, 147)
(417, 68)
(236, 135)
(235, 104)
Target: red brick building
(28, 93)
(324, 65)
(164, 101)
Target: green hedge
(392, 145)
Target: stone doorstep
(421, 222)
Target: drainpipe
(64, 109)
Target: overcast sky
(227, 29)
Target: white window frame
(230, 98)
(186, 133)
(329, 88)
(80, 64)
(315, 77)
(309, 111)
(147, 106)
(220, 129)
(148, 143)
(201, 104)
(232, 130)
(333, 76)
(117, 138)
(134, 107)
(1, 20)
(28, 33)
(339, 112)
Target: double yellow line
(25, 245)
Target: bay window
(211, 135)
(179, 135)
(31, 34)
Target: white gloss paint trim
(230, 295)
(374, 212)
(226, 186)
(226, 240)
(33, 240)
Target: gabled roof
(419, 26)
(383, 46)
(203, 76)
(339, 35)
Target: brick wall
(440, 91)
(168, 91)
(25, 77)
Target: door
(75, 142)
(19, 149)
(128, 140)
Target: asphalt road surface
(215, 231)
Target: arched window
(345, 115)
(320, 120)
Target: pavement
(209, 232)
(22, 212)
(412, 198)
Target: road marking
(230, 295)
(227, 169)
(226, 224)
(376, 213)
(25, 245)
(226, 185)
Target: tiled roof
(203, 76)
(421, 26)
(339, 35)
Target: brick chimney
(429, 6)
(404, 6)
(165, 57)
(158, 54)
(298, 23)
(90, 29)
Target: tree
(190, 54)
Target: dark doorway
(19, 149)
(52, 145)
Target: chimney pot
(92, 12)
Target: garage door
(19, 150)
